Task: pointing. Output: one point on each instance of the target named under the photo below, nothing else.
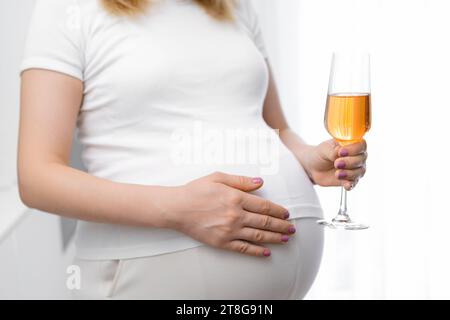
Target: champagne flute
(348, 115)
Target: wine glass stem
(343, 205)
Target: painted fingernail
(266, 253)
(341, 165)
(342, 175)
(344, 153)
(286, 215)
(292, 229)
(257, 180)
(285, 238)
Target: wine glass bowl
(348, 117)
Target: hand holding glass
(348, 115)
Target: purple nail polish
(341, 165)
(257, 180)
(342, 175)
(285, 238)
(286, 215)
(344, 153)
(266, 253)
(292, 229)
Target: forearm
(59, 189)
(274, 117)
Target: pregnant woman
(150, 87)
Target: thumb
(242, 183)
(329, 149)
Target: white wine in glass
(348, 115)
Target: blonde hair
(219, 9)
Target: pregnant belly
(285, 183)
(291, 187)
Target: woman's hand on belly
(329, 164)
(219, 211)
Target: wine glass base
(343, 225)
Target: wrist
(303, 152)
(172, 208)
(305, 157)
(297, 145)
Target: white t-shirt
(164, 95)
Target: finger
(262, 236)
(263, 222)
(247, 248)
(350, 163)
(353, 149)
(350, 175)
(349, 185)
(242, 183)
(329, 149)
(263, 206)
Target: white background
(404, 195)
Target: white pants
(209, 273)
